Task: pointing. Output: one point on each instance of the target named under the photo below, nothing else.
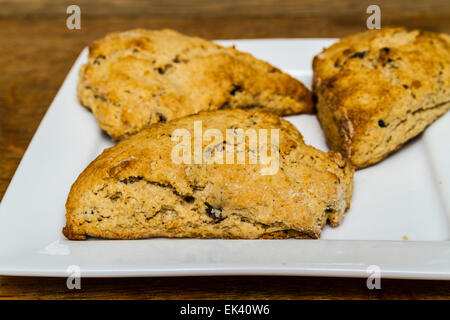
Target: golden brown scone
(140, 77)
(378, 89)
(134, 189)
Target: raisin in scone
(136, 78)
(378, 89)
(136, 189)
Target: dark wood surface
(37, 51)
(221, 288)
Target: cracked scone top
(135, 78)
(378, 89)
(134, 189)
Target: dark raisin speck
(116, 196)
(161, 118)
(386, 49)
(102, 98)
(329, 209)
(235, 89)
(358, 55)
(214, 213)
(99, 59)
(381, 124)
(131, 180)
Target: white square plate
(407, 195)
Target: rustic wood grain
(220, 8)
(259, 288)
(37, 51)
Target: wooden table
(37, 51)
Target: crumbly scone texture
(378, 89)
(134, 189)
(139, 77)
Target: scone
(136, 78)
(140, 189)
(378, 89)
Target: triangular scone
(378, 89)
(136, 189)
(140, 77)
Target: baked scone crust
(134, 189)
(139, 77)
(378, 89)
